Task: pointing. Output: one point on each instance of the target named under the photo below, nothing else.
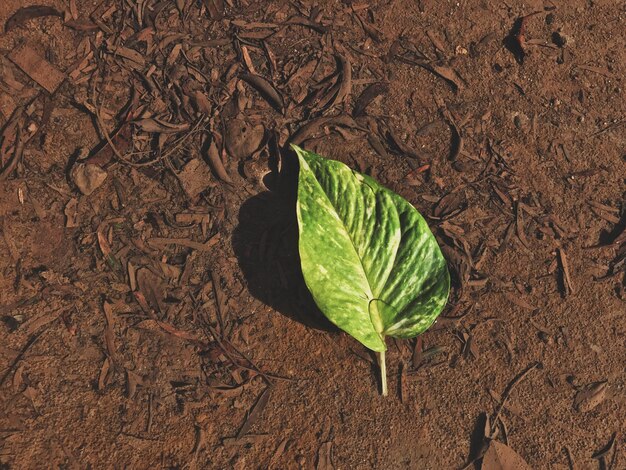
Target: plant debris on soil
(153, 309)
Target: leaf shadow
(265, 243)
(477, 442)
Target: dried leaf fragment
(450, 205)
(152, 287)
(255, 412)
(213, 156)
(266, 89)
(243, 138)
(195, 177)
(502, 457)
(28, 13)
(71, 213)
(368, 95)
(325, 457)
(590, 396)
(88, 177)
(448, 74)
(105, 376)
(157, 125)
(103, 153)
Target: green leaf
(368, 257)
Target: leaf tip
(300, 152)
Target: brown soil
(162, 321)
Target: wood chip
(201, 102)
(302, 21)
(132, 381)
(7, 105)
(103, 243)
(153, 287)
(519, 227)
(457, 139)
(109, 335)
(163, 242)
(403, 383)
(37, 68)
(516, 40)
(598, 70)
(161, 326)
(176, 332)
(567, 281)
(73, 9)
(189, 218)
(119, 141)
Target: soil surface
(153, 309)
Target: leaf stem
(383, 372)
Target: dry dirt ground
(153, 311)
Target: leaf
(368, 257)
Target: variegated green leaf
(368, 257)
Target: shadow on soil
(266, 245)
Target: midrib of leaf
(375, 318)
(395, 253)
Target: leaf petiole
(383, 372)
